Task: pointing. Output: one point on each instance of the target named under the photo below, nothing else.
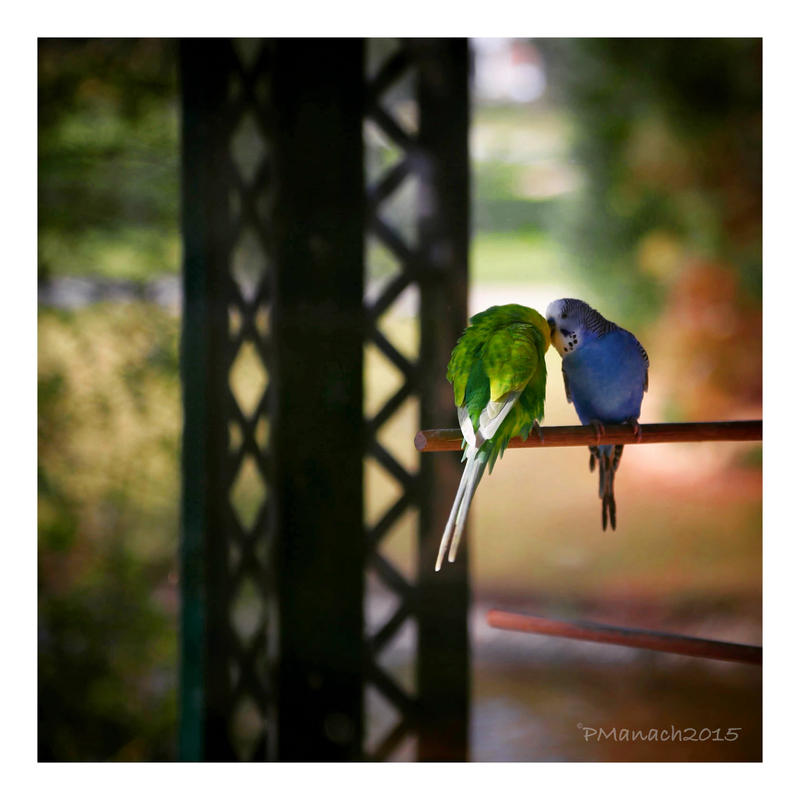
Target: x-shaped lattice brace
(389, 182)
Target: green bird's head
(512, 313)
(541, 325)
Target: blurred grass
(522, 257)
(521, 174)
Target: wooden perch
(442, 439)
(628, 637)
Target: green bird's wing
(510, 359)
(462, 360)
(498, 374)
(505, 333)
(517, 375)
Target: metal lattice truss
(393, 186)
(249, 514)
(232, 546)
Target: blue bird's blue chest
(606, 378)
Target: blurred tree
(108, 404)
(669, 134)
(669, 219)
(108, 157)
(108, 530)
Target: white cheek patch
(570, 342)
(565, 344)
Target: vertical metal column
(205, 67)
(443, 661)
(272, 542)
(318, 221)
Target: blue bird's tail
(473, 472)
(607, 458)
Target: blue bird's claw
(599, 429)
(637, 429)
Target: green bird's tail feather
(473, 472)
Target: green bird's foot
(537, 429)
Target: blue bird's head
(573, 322)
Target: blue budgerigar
(605, 376)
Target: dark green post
(319, 230)
(204, 69)
(443, 662)
(273, 229)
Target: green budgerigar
(498, 374)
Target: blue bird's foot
(599, 428)
(637, 429)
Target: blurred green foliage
(668, 133)
(108, 404)
(108, 157)
(108, 532)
